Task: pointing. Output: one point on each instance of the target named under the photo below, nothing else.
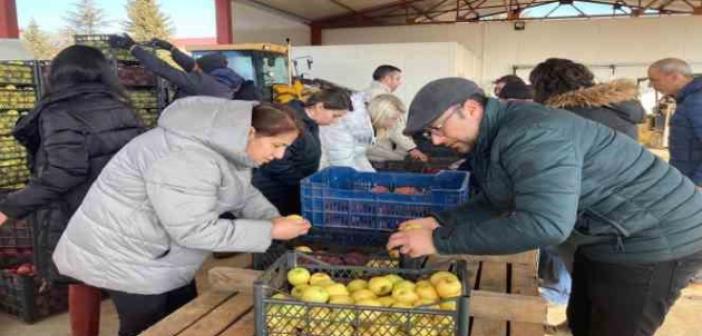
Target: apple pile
(16, 73)
(13, 98)
(406, 190)
(389, 290)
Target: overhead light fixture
(519, 25)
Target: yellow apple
(440, 275)
(343, 315)
(298, 276)
(448, 288)
(448, 305)
(336, 289)
(303, 249)
(339, 329)
(295, 217)
(445, 324)
(426, 304)
(427, 292)
(315, 294)
(368, 315)
(394, 278)
(423, 325)
(363, 294)
(423, 283)
(296, 292)
(380, 285)
(340, 299)
(357, 284)
(319, 279)
(404, 295)
(404, 284)
(386, 301)
(376, 330)
(423, 331)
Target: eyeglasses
(436, 130)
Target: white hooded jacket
(152, 216)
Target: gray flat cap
(435, 98)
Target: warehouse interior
(296, 48)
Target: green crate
(288, 316)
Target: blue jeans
(556, 281)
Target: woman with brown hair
(153, 215)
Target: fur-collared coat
(614, 104)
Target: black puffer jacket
(280, 180)
(70, 136)
(614, 104)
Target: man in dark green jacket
(638, 236)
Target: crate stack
(141, 84)
(18, 95)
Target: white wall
(605, 41)
(253, 24)
(352, 65)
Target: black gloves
(161, 44)
(121, 42)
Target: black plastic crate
(284, 315)
(413, 166)
(27, 297)
(323, 246)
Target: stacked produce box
(18, 95)
(141, 84)
(22, 292)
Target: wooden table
(222, 313)
(227, 307)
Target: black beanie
(212, 61)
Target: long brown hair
(269, 119)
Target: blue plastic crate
(341, 197)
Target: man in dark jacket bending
(550, 177)
(209, 75)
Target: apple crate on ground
(24, 295)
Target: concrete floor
(683, 320)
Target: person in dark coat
(562, 83)
(280, 180)
(512, 87)
(549, 177)
(83, 119)
(209, 75)
(673, 77)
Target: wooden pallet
(514, 278)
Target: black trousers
(138, 312)
(625, 299)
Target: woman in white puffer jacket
(153, 215)
(345, 143)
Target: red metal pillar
(8, 19)
(223, 8)
(315, 34)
